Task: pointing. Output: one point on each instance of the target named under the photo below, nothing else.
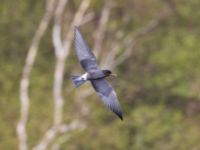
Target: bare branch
(111, 61)
(24, 84)
(130, 41)
(87, 18)
(55, 130)
(78, 18)
(57, 40)
(59, 69)
(65, 129)
(107, 60)
(61, 51)
(100, 32)
(58, 78)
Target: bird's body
(95, 75)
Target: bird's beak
(113, 75)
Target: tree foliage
(158, 84)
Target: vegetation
(158, 84)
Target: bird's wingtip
(120, 115)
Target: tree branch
(78, 18)
(100, 32)
(24, 83)
(62, 50)
(130, 41)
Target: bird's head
(108, 73)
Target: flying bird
(95, 75)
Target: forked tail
(77, 80)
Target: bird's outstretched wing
(108, 95)
(84, 54)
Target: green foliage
(155, 85)
(179, 61)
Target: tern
(94, 74)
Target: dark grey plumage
(95, 75)
(85, 56)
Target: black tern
(95, 75)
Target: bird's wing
(108, 95)
(84, 54)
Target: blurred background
(153, 47)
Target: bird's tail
(77, 80)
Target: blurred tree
(152, 45)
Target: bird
(94, 74)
